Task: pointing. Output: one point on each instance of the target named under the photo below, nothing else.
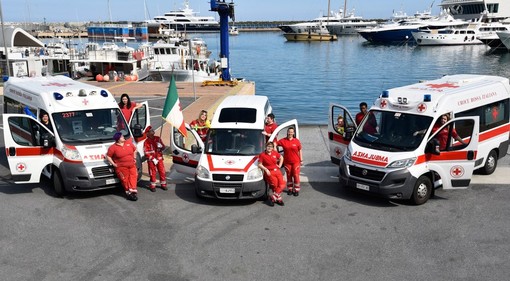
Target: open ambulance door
(456, 163)
(281, 131)
(339, 138)
(140, 120)
(29, 147)
(184, 160)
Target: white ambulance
(403, 150)
(72, 151)
(225, 166)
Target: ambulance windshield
(234, 142)
(392, 131)
(89, 126)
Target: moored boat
(310, 37)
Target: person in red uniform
(153, 149)
(292, 160)
(201, 125)
(122, 155)
(270, 162)
(363, 107)
(442, 136)
(270, 126)
(127, 106)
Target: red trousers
(128, 177)
(276, 183)
(292, 171)
(157, 169)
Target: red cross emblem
(457, 171)
(338, 152)
(383, 103)
(185, 157)
(230, 162)
(21, 167)
(444, 85)
(57, 84)
(422, 107)
(85, 101)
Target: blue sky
(246, 10)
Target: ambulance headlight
(254, 174)
(202, 172)
(347, 154)
(71, 153)
(403, 163)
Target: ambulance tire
(266, 193)
(58, 184)
(139, 168)
(491, 163)
(422, 190)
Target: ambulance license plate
(227, 190)
(111, 181)
(362, 186)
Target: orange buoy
(99, 78)
(106, 78)
(135, 77)
(128, 78)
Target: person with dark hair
(45, 120)
(270, 126)
(127, 106)
(201, 125)
(292, 160)
(153, 148)
(122, 156)
(363, 108)
(443, 135)
(270, 162)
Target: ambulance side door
(29, 147)
(339, 137)
(281, 131)
(456, 163)
(140, 120)
(184, 160)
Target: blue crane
(225, 10)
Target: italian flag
(172, 112)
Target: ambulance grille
(101, 172)
(227, 177)
(366, 173)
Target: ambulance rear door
(24, 139)
(456, 163)
(140, 120)
(339, 138)
(184, 160)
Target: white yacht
(349, 25)
(185, 20)
(316, 26)
(504, 36)
(472, 9)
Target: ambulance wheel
(139, 168)
(58, 184)
(491, 163)
(266, 193)
(422, 190)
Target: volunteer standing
(122, 156)
(292, 160)
(270, 162)
(127, 106)
(201, 125)
(270, 126)
(153, 149)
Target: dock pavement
(317, 166)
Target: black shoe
(153, 189)
(132, 197)
(289, 191)
(270, 203)
(280, 203)
(296, 193)
(164, 187)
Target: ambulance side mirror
(137, 131)
(195, 149)
(48, 140)
(349, 133)
(433, 147)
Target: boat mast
(345, 9)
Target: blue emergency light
(57, 96)
(104, 93)
(385, 94)
(427, 98)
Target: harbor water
(302, 78)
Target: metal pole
(192, 70)
(5, 43)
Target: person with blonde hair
(201, 125)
